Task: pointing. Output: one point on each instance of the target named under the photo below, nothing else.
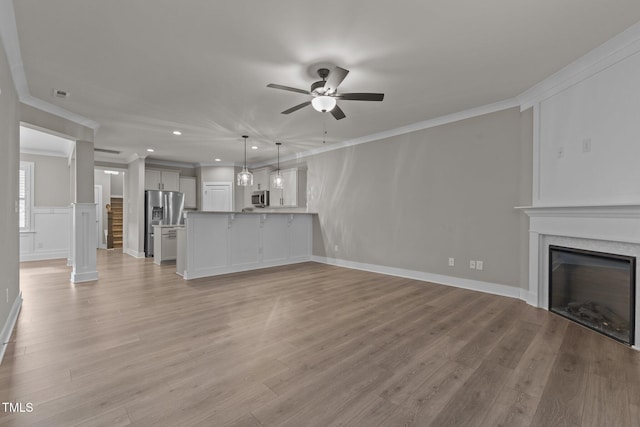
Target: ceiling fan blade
(337, 113)
(296, 108)
(336, 76)
(361, 96)
(290, 89)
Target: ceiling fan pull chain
(324, 127)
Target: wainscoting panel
(49, 238)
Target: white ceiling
(144, 68)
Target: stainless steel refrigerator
(161, 208)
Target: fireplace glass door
(594, 289)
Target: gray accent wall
(52, 178)
(9, 161)
(414, 200)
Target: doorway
(217, 196)
(97, 197)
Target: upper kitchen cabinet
(294, 189)
(261, 179)
(188, 187)
(161, 180)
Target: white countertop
(255, 212)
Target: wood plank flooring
(302, 345)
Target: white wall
(603, 111)
(49, 237)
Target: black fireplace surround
(594, 289)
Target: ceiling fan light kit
(323, 103)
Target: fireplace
(595, 289)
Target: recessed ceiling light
(151, 150)
(108, 172)
(177, 132)
(218, 160)
(254, 147)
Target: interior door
(217, 197)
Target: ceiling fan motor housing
(317, 88)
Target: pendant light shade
(323, 103)
(277, 179)
(245, 178)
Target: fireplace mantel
(613, 228)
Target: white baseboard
(41, 256)
(135, 254)
(7, 329)
(474, 285)
(529, 298)
(228, 269)
(88, 276)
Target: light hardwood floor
(303, 345)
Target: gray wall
(9, 160)
(412, 201)
(52, 178)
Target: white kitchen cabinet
(165, 244)
(261, 179)
(294, 189)
(161, 180)
(188, 187)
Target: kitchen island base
(221, 242)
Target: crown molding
(426, 124)
(227, 164)
(48, 153)
(170, 163)
(604, 56)
(9, 36)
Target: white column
(84, 243)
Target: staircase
(115, 223)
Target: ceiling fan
(325, 93)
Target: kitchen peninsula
(214, 243)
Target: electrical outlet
(560, 152)
(479, 265)
(336, 248)
(472, 265)
(586, 145)
(452, 262)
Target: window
(25, 195)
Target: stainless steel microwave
(260, 199)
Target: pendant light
(277, 180)
(245, 178)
